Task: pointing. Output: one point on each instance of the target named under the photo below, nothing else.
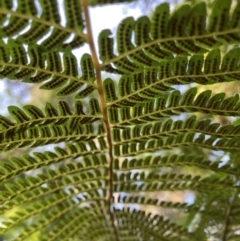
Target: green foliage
(125, 142)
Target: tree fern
(127, 141)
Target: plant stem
(227, 222)
(104, 112)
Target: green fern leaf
(135, 142)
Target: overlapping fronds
(120, 163)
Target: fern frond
(142, 182)
(36, 189)
(132, 222)
(46, 66)
(49, 21)
(119, 157)
(173, 105)
(152, 82)
(167, 128)
(17, 166)
(172, 33)
(173, 161)
(34, 128)
(179, 140)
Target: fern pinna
(128, 146)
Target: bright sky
(108, 17)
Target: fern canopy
(120, 156)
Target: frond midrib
(32, 121)
(55, 139)
(48, 179)
(175, 132)
(181, 185)
(172, 78)
(46, 163)
(50, 191)
(43, 22)
(173, 145)
(179, 108)
(53, 73)
(170, 39)
(45, 207)
(232, 171)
